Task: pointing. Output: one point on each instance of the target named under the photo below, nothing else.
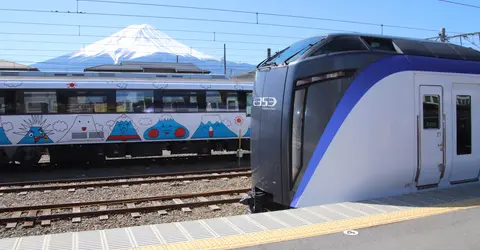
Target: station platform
(281, 228)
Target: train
(348, 117)
(90, 116)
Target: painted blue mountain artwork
(35, 131)
(247, 134)
(166, 128)
(3, 137)
(212, 126)
(124, 130)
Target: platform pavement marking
(285, 234)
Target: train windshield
(293, 51)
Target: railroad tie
(225, 197)
(90, 188)
(103, 216)
(160, 212)
(184, 209)
(71, 190)
(76, 219)
(212, 207)
(46, 222)
(22, 193)
(31, 213)
(14, 224)
(134, 214)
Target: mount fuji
(138, 43)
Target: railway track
(90, 183)
(44, 214)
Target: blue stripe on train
(361, 84)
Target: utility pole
(225, 59)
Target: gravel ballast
(124, 220)
(119, 192)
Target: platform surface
(449, 231)
(266, 228)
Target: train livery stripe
(361, 84)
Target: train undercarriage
(27, 156)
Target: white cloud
(110, 124)
(7, 126)
(99, 126)
(145, 121)
(60, 126)
(13, 84)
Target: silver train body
(82, 117)
(348, 117)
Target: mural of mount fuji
(139, 43)
(212, 126)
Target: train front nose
(266, 135)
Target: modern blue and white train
(82, 117)
(348, 117)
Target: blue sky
(28, 48)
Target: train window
(341, 44)
(431, 111)
(2, 103)
(249, 104)
(135, 101)
(297, 133)
(464, 125)
(83, 101)
(179, 101)
(382, 44)
(37, 102)
(296, 49)
(222, 101)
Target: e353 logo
(268, 102)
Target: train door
(431, 136)
(465, 167)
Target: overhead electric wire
(462, 4)
(262, 13)
(84, 43)
(96, 51)
(161, 30)
(177, 39)
(175, 18)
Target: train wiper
(296, 53)
(269, 62)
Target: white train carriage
(82, 117)
(348, 117)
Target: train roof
(420, 47)
(117, 76)
(393, 44)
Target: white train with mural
(87, 116)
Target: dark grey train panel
(265, 137)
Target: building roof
(154, 67)
(7, 65)
(249, 75)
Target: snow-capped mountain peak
(136, 41)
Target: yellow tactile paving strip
(251, 239)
